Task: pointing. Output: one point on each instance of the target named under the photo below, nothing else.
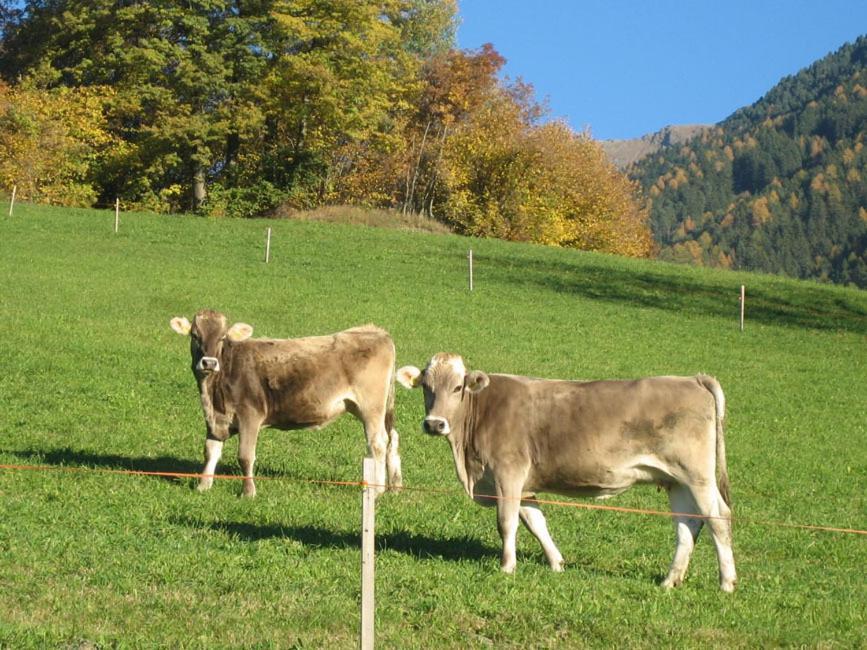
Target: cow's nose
(209, 364)
(435, 425)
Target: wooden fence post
(742, 307)
(12, 202)
(116, 214)
(368, 519)
(268, 246)
(470, 260)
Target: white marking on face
(457, 364)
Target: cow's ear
(477, 381)
(181, 325)
(240, 332)
(409, 376)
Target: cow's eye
(458, 389)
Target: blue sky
(626, 68)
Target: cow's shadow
(71, 458)
(418, 546)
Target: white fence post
(470, 260)
(368, 510)
(12, 202)
(116, 214)
(742, 307)
(268, 246)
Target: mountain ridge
(624, 153)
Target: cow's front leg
(213, 451)
(248, 435)
(534, 520)
(508, 507)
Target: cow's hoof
(395, 486)
(557, 567)
(203, 487)
(508, 568)
(671, 583)
(728, 586)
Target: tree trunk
(200, 191)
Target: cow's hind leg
(249, 434)
(534, 520)
(720, 526)
(377, 444)
(686, 530)
(213, 451)
(392, 461)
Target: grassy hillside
(92, 376)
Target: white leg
(686, 530)
(721, 531)
(534, 520)
(377, 444)
(508, 508)
(213, 451)
(392, 461)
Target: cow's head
(207, 334)
(445, 382)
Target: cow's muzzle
(436, 426)
(208, 365)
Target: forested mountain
(779, 186)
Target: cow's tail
(711, 384)
(389, 403)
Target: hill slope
(779, 186)
(93, 378)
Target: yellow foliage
(817, 183)
(544, 184)
(50, 140)
(760, 210)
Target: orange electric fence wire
(568, 504)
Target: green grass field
(91, 376)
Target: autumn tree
(53, 143)
(495, 171)
(182, 72)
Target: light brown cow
(512, 436)
(287, 384)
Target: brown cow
(512, 436)
(288, 384)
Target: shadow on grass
(419, 546)
(70, 458)
(772, 301)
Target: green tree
(183, 72)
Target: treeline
(241, 107)
(780, 186)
